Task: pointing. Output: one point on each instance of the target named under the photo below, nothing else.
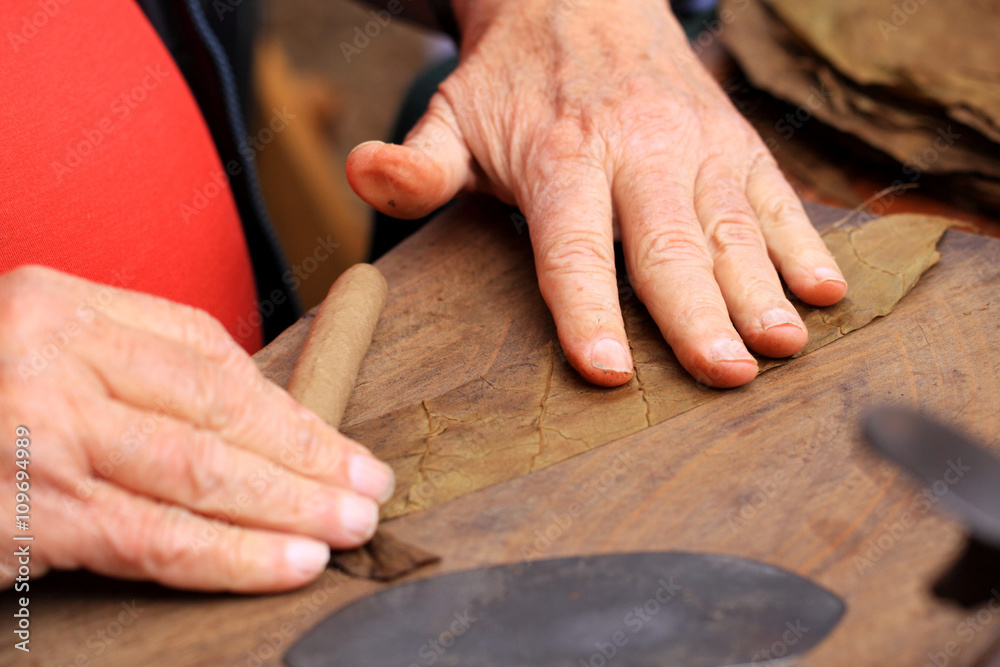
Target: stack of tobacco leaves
(917, 79)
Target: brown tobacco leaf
(384, 558)
(945, 52)
(538, 412)
(775, 59)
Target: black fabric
(206, 39)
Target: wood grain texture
(772, 471)
(537, 412)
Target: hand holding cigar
(323, 379)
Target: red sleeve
(108, 170)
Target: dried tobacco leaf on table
(778, 61)
(775, 60)
(384, 558)
(944, 52)
(538, 412)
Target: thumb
(425, 173)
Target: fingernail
(371, 477)
(367, 143)
(824, 275)
(777, 317)
(359, 516)
(609, 355)
(730, 350)
(308, 557)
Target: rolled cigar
(338, 339)
(323, 379)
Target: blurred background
(339, 101)
(881, 106)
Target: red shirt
(107, 170)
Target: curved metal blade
(963, 475)
(656, 609)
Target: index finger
(233, 400)
(574, 255)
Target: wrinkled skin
(595, 118)
(158, 450)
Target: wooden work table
(772, 471)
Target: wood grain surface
(773, 471)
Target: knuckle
(117, 340)
(201, 328)
(699, 310)
(313, 452)
(761, 289)
(737, 230)
(781, 211)
(703, 308)
(556, 160)
(234, 560)
(664, 248)
(577, 251)
(287, 500)
(169, 541)
(652, 135)
(155, 540)
(564, 138)
(211, 399)
(203, 467)
(655, 127)
(299, 505)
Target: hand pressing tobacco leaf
(580, 112)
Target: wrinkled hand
(580, 112)
(158, 450)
